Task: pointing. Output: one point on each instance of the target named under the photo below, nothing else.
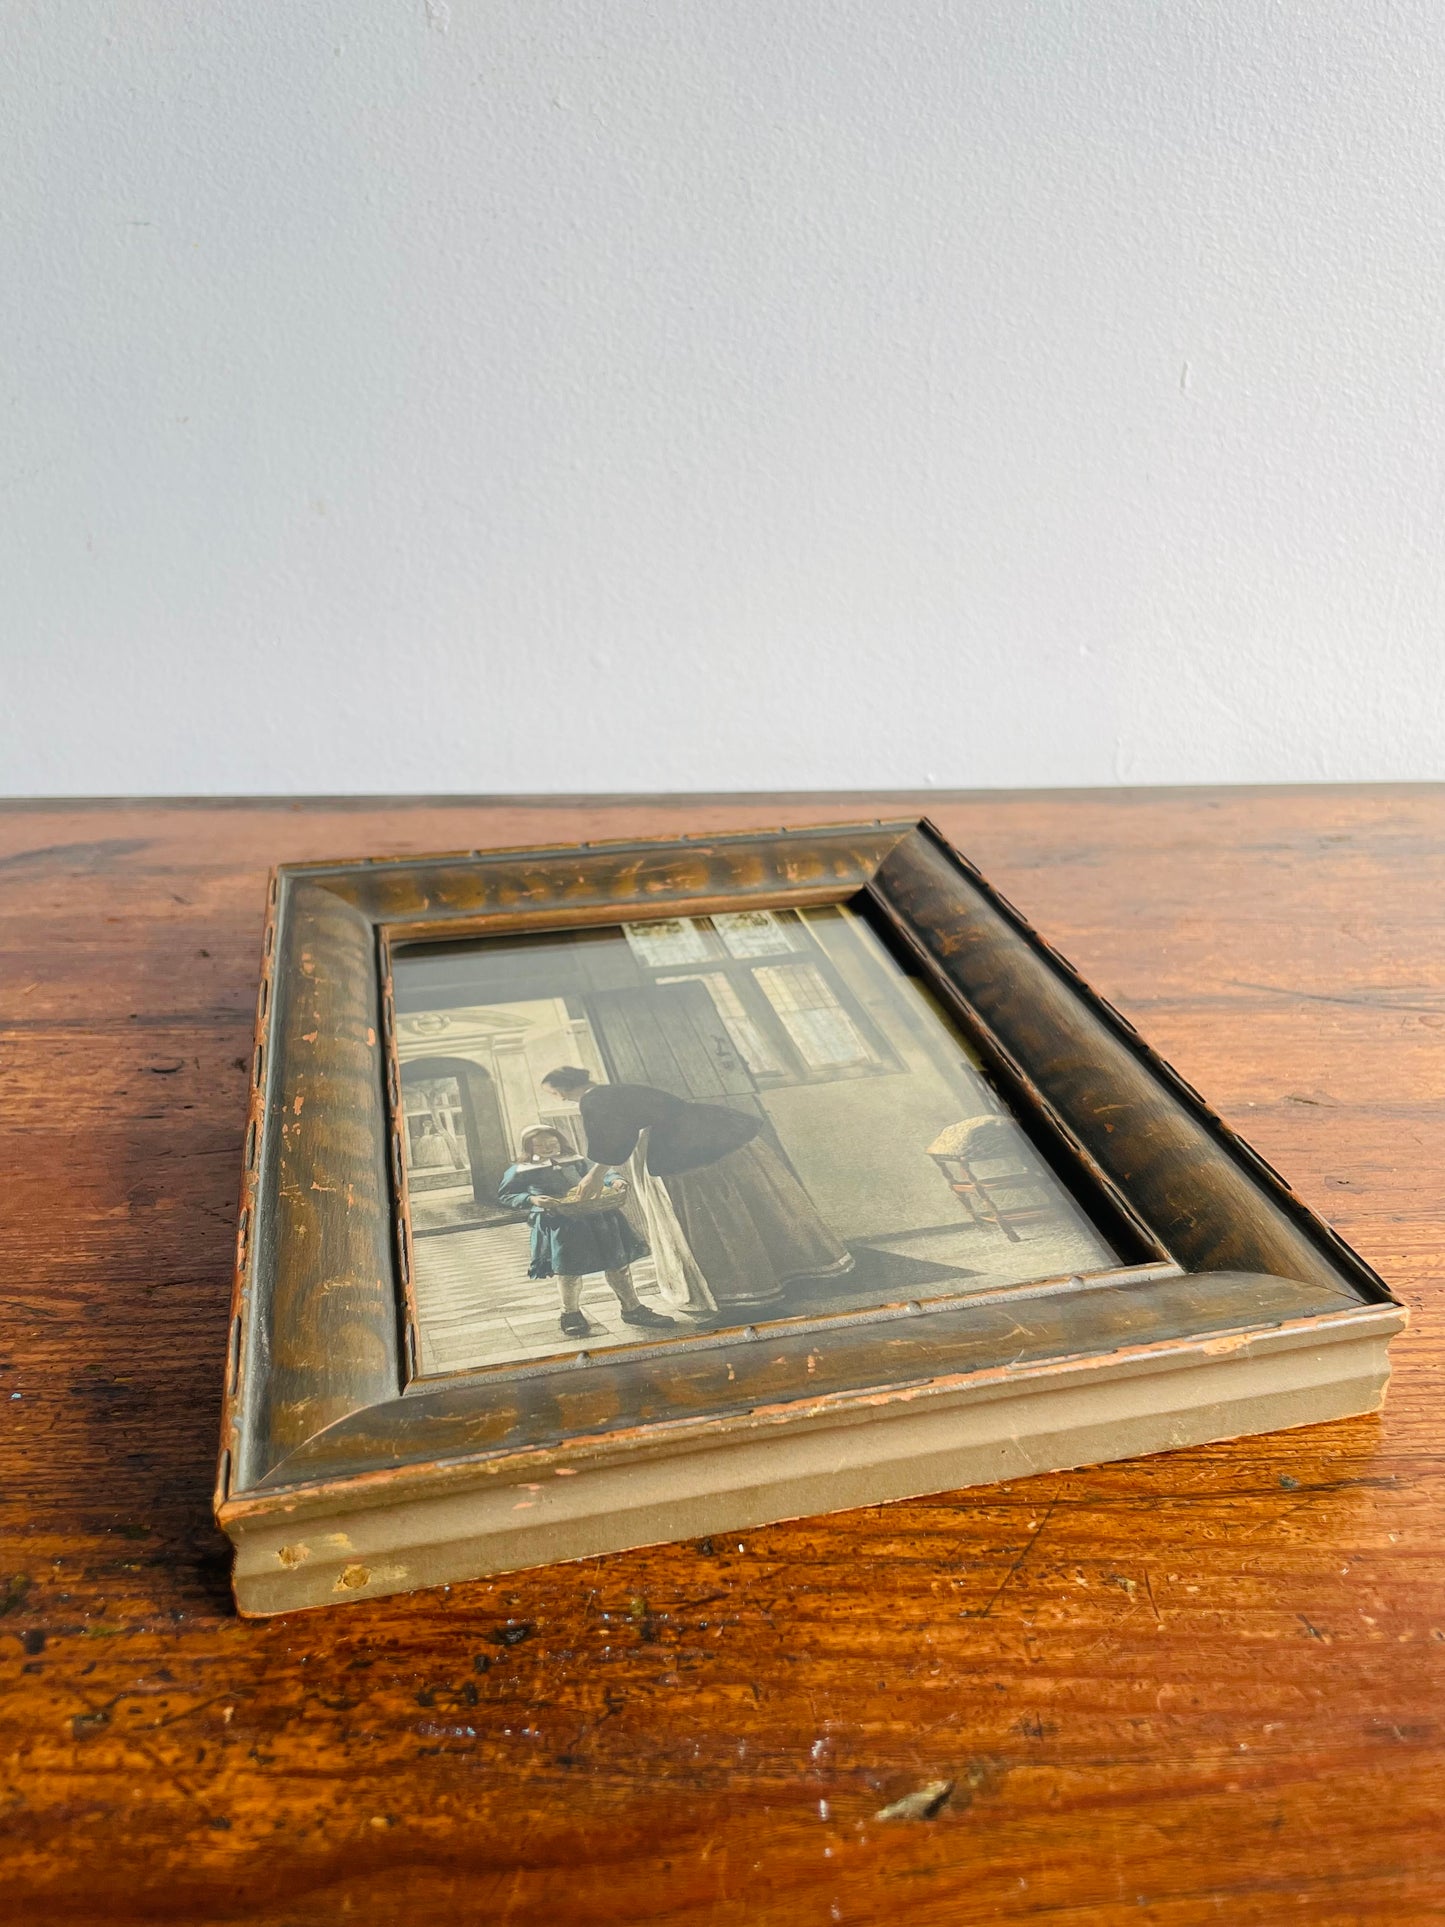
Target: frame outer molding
(332, 1321)
(318, 1312)
(1203, 1193)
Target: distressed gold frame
(322, 1398)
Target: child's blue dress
(567, 1246)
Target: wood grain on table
(1199, 1687)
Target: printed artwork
(637, 1134)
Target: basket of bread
(611, 1197)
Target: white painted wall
(528, 394)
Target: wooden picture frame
(347, 1471)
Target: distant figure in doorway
(569, 1247)
(747, 1226)
(430, 1151)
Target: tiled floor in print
(477, 1306)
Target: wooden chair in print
(994, 1172)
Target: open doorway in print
(780, 1119)
(456, 1145)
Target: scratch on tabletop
(100, 1716)
(1305, 1496)
(1013, 1570)
(513, 1894)
(1149, 1588)
(186, 1713)
(1105, 1639)
(1324, 997)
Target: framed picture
(609, 1194)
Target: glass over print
(646, 1132)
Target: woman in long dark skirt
(749, 1224)
(569, 1247)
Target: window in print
(754, 933)
(763, 1058)
(822, 1032)
(784, 1008)
(679, 940)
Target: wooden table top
(1198, 1687)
